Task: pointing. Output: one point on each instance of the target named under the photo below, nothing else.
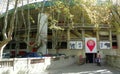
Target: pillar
(118, 42)
(68, 38)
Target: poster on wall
(75, 45)
(90, 45)
(104, 45)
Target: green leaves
(60, 11)
(85, 12)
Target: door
(90, 57)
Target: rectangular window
(13, 45)
(0, 37)
(63, 45)
(23, 46)
(49, 32)
(114, 42)
(49, 45)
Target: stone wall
(113, 60)
(34, 65)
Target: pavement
(88, 68)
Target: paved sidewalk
(83, 69)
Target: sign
(75, 45)
(104, 45)
(90, 45)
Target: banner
(104, 44)
(75, 45)
(90, 45)
(42, 32)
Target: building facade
(83, 40)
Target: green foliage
(105, 13)
(115, 17)
(82, 11)
(58, 11)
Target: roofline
(33, 6)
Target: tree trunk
(3, 44)
(1, 50)
(7, 36)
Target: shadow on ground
(84, 69)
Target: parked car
(32, 54)
(6, 55)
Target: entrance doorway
(90, 57)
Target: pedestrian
(98, 59)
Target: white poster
(79, 45)
(42, 31)
(75, 45)
(104, 45)
(90, 45)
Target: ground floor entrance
(90, 57)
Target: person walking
(98, 59)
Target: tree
(69, 12)
(115, 17)
(60, 9)
(7, 31)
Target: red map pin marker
(91, 44)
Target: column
(68, 38)
(118, 42)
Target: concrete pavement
(83, 69)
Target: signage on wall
(104, 45)
(90, 45)
(75, 45)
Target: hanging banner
(104, 44)
(90, 45)
(42, 29)
(75, 45)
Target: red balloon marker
(91, 44)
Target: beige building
(83, 40)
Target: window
(13, 46)
(63, 45)
(0, 37)
(114, 42)
(49, 32)
(49, 45)
(23, 46)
